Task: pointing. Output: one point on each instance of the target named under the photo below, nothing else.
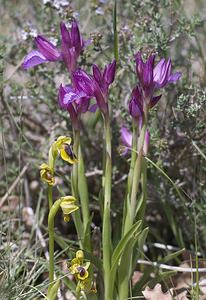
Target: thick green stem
(50, 199)
(84, 199)
(106, 235)
(137, 170)
(142, 206)
(135, 173)
(127, 210)
(52, 213)
(74, 181)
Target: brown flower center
(69, 151)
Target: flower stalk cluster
(151, 79)
(76, 98)
(61, 147)
(81, 272)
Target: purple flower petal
(65, 34)
(76, 38)
(139, 65)
(93, 108)
(68, 53)
(73, 116)
(154, 100)
(136, 103)
(33, 58)
(84, 82)
(87, 42)
(83, 105)
(61, 94)
(126, 137)
(162, 72)
(69, 98)
(148, 72)
(174, 77)
(157, 74)
(97, 74)
(68, 49)
(47, 49)
(109, 72)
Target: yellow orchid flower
(63, 146)
(47, 174)
(80, 270)
(68, 206)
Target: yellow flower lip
(82, 273)
(80, 270)
(46, 174)
(63, 146)
(67, 154)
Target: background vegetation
(31, 118)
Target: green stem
(106, 235)
(137, 171)
(50, 188)
(84, 199)
(52, 213)
(142, 206)
(133, 184)
(78, 292)
(116, 53)
(127, 210)
(74, 181)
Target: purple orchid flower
(46, 52)
(126, 139)
(152, 77)
(71, 46)
(75, 102)
(136, 104)
(96, 85)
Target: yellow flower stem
(52, 213)
(49, 190)
(106, 234)
(74, 181)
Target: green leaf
(130, 237)
(52, 293)
(125, 270)
(162, 276)
(118, 250)
(171, 256)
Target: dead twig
(14, 184)
(171, 268)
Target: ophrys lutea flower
(63, 147)
(46, 174)
(80, 269)
(68, 206)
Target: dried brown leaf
(156, 293)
